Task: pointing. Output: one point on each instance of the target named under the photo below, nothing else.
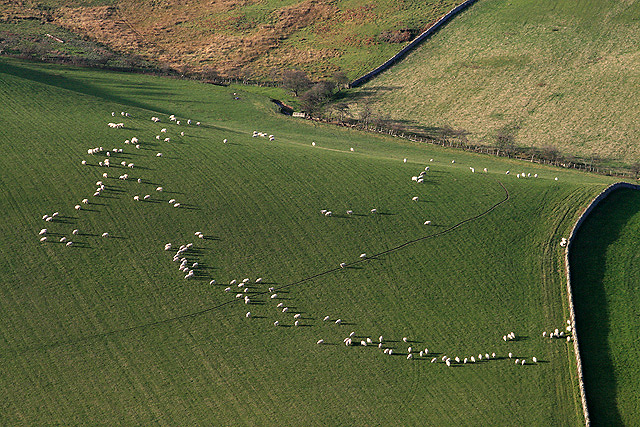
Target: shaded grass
(605, 282)
(108, 324)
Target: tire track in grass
(292, 284)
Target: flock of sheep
(101, 185)
(250, 291)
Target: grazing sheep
(159, 155)
(349, 212)
(374, 210)
(176, 205)
(343, 265)
(434, 360)
(239, 295)
(105, 234)
(276, 323)
(535, 359)
(409, 349)
(77, 207)
(227, 289)
(415, 199)
(248, 315)
(224, 141)
(43, 239)
(320, 342)
(410, 356)
(75, 232)
(427, 223)
(84, 162)
(326, 318)
(163, 130)
(297, 316)
(172, 201)
(363, 255)
(473, 359)
(284, 310)
(510, 355)
(147, 196)
(69, 243)
(136, 198)
(339, 321)
(448, 362)
(493, 355)
(85, 201)
(43, 231)
(274, 296)
(465, 360)
(523, 362)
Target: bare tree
(296, 81)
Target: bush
(396, 36)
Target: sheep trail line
(298, 282)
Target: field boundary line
(576, 347)
(297, 282)
(415, 42)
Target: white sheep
(69, 243)
(427, 223)
(415, 198)
(339, 321)
(320, 342)
(43, 231)
(159, 155)
(43, 239)
(276, 323)
(248, 315)
(363, 255)
(77, 207)
(75, 232)
(105, 234)
(326, 318)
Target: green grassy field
(558, 74)
(605, 275)
(109, 332)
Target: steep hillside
(252, 38)
(558, 75)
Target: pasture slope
(605, 278)
(108, 331)
(557, 74)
